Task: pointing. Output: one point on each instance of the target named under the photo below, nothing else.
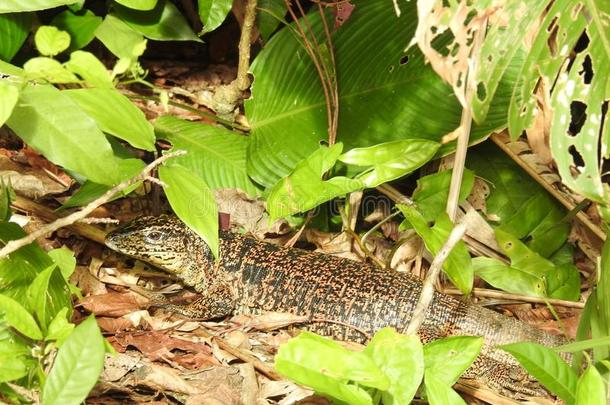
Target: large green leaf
(215, 154)
(11, 6)
(79, 362)
(53, 124)
(508, 278)
(192, 201)
(401, 358)
(48, 295)
(384, 94)
(14, 29)
(163, 23)
(116, 115)
(547, 367)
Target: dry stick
(263, 368)
(486, 293)
(465, 124)
(427, 291)
(78, 215)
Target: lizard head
(163, 241)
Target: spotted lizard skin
(343, 299)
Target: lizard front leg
(218, 302)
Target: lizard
(342, 298)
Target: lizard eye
(154, 236)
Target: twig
(465, 125)
(48, 215)
(78, 215)
(486, 293)
(263, 368)
(427, 291)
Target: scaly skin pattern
(343, 299)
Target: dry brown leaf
(116, 367)
(158, 346)
(248, 214)
(162, 378)
(113, 325)
(113, 304)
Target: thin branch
(427, 291)
(13, 245)
(486, 293)
(464, 130)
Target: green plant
(389, 370)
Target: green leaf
(304, 188)
(329, 369)
(391, 160)
(138, 4)
(65, 260)
(448, 358)
(9, 94)
(59, 328)
(517, 203)
(77, 367)
(215, 154)
(583, 345)
(81, 27)
(563, 282)
(382, 97)
(11, 6)
(439, 393)
(89, 68)
(458, 265)
(19, 318)
(270, 14)
(547, 367)
(48, 295)
(213, 12)
(508, 278)
(401, 358)
(7, 195)
(120, 39)
(591, 389)
(12, 367)
(116, 115)
(163, 23)
(48, 69)
(192, 201)
(521, 257)
(53, 124)
(11, 70)
(432, 192)
(14, 29)
(50, 41)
